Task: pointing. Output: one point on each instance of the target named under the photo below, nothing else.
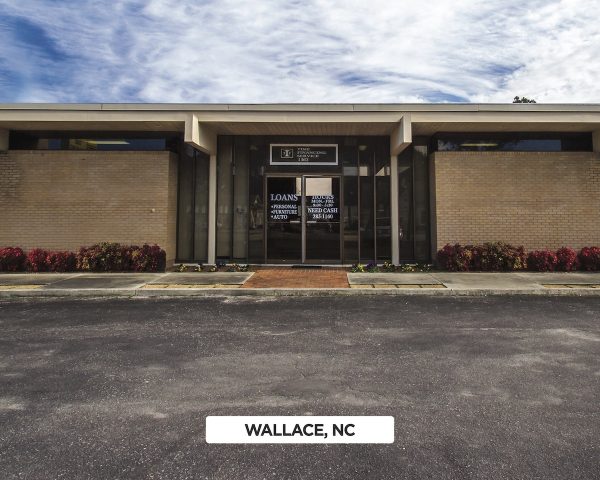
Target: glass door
(303, 219)
(321, 206)
(284, 219)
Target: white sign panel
(301, 429)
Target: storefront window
(382, 205)
(406, 206)
(354, 193)
(366, 167)
(257, 152)
(413, 204)
(514, 142)
(100, 141)
(192, 210)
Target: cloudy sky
(299, 50)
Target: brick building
(299, 183)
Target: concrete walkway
(473, 281)
(226, 283)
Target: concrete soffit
(401, 136)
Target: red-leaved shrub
(12, 259)
(454, 258)
(103, 257)
(114, 257)
(542, 261)
(37, 260)
(498, 257)
(489, 257)
(566, 259)
(148, 258)
(61, 261)
(589, 259)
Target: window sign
(284, 207)
(311, 154)
(322, 208)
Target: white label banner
(300, 429)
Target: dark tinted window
(92, 141)
(514, 142)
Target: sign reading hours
(311, 154)
(322, 208)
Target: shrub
(61, 261)
(147, 258)
(490, 257)
(125, 262)
(589, 259)
(104, 257)
(37, 260)
(542, 261)
(498, 257)
(87, 258)
(454, 258)
(566, 259)
(12, 259)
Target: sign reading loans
(312, 154)
(284, 207)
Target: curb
(290, 292)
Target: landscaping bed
(101, 257)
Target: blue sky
(299, 51)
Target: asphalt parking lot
(480, 388)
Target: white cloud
(307, 51)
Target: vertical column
(212, 209)
(204, 139)
(595, 139)
(394, 209)
(400, 138)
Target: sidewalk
(287, 281)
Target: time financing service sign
(311, 154)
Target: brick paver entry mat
(286, 277)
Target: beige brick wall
(537, 200)
(65, 199)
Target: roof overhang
(302, 119)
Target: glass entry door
(322, 219)
(284, 219)
(303, 219)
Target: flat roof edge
(309, 107)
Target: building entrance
(303, 219)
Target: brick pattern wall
(65, 199)
(537, 200)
